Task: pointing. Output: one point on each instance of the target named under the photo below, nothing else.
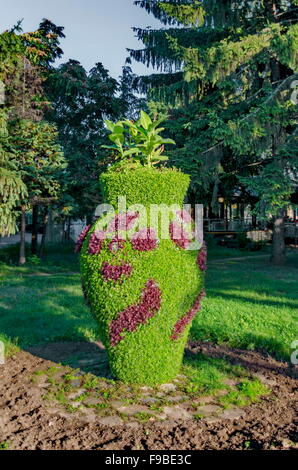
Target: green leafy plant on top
(120, 139)
(140, 140)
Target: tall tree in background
(39, 163)
(32, 168)
(12, 188)
(130, 104)
(30, 156)
(80, 103)
(226, 76)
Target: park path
(14, 239)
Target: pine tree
(226, 72)
(130, 104)
(12, 188)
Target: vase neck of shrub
(145, 186)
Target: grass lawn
(222, 252)
(38, 308)
(249, 303)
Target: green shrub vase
(142, 289)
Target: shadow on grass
(257, 361)
(36, 310)
(88, 357)
(248, 341)
(58, 256)
(250, 300)
(250, 305)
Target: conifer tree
(226, 75)
(12, 188)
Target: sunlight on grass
(44, 309)
(250, 305)
(10, 345)
(207, 374)
(247, 392)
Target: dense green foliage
(38, 158)
(80, 102)
(30, 157)
(230, 74)
(47, 111)
(139, 141)
(147, 354)
(12, 188)
(144, 185)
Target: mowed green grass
(44, 303)
(249, 303)
(36, 309)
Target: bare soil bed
(28, 421)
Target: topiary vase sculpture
(143, 289)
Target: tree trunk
(211, 214)
(89, 219)
(226, 216)
(22, 258)
(68, 229)
(278, 241)
(222, 210)
(278, 256)
(254, 221)
(44, 232)
(34, 239)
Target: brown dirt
(26, 422)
